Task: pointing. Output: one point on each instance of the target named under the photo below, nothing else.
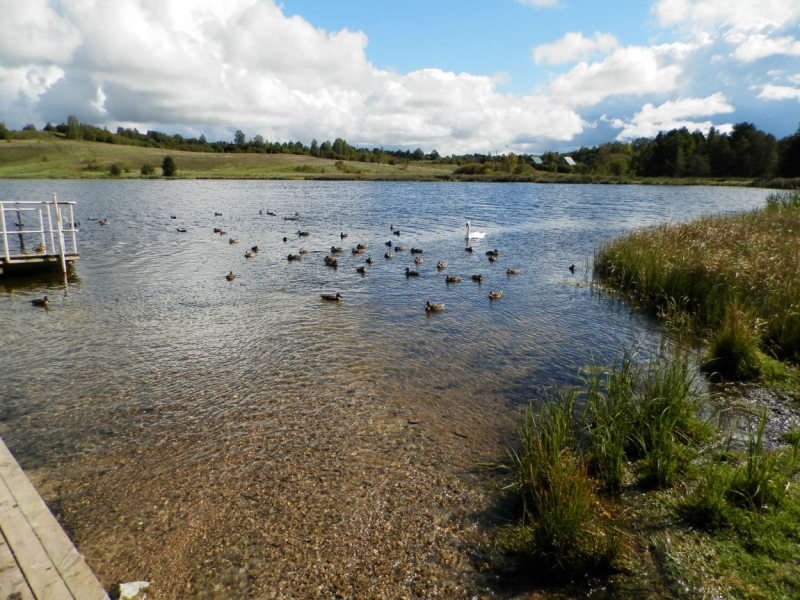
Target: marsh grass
(735, 278)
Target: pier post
(60, 235)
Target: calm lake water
(203, 434)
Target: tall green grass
(735, 278)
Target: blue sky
(467, 76)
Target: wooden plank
(40, 572)
(68, 562)
(12, 582)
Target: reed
(737, 275)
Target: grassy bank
(44, 155)
(625, 492)
(734, 280)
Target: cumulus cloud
(573, 47)
(760, 46)
(33, 32)
(779, 92)
(673, 114)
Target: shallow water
(148, 344)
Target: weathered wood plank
(69, 564)
(12, 582)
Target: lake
(232, 438)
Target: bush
(168, 167)
(115, 170)
(147, 169)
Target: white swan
(474, 235)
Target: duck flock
(393, 249)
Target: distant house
(537, 160)
(569, 161)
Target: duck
(173, 217)
(410, 273)
(249, 254)
(357, 251)
(441, 265)
(477, 235)
(271, 214)
(388, 255)
(223, 232)
(389, 243)
(178, 229)
(361, 246)
(477, 278)
(303, 251)
(397, 232)
(468, 248)
(216, 214)
(391, 227)
(495, 295)
(293, 257)
(434, 306)
(399, 248)
(418, 260)
(492, 258)
(254, 249)
(331, 261)
(343, 235)
(233, 240)
(572, 268)
(217, 229)
(303, 233)
(452, 279)
(335, 249)
(512, 271)
(39, 249)
(369, 261)
(332, 297)
(260, 212)
(103, 222)
(230, 276)
(41, 302)
(416, 250)
(285, 239)
(361, 270)
(494, 252)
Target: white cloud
(673, 114)
(632, 70)
(33, 32)
(760, 46)
(779, 92)
(573, 47)
(539, 3)
(703, 15)
(794, 78)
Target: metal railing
(58, 212)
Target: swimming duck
(416, 250)
(223, 232)
(216, 214)
(41, 302)
(331, 261)
(271, 214)
(441, 265)
(388, 255)
(173, 217)
(434, 306)
(303, 233)
(361, 270)
(179, 229)
(230, 276)
(492, 258)
(254, 249)
(399, 248)
(418, 260)
(249, 254)
(357, 251)
(369, 261)
(452, 279)
(303, 251)
(343, 235)
(410, 273)
(335, 249)
(103, 222)
(495, 295)
(512, 271)
(39, 249)
(332, 297)
(494, 252)
(397, 232)
(233, 240)
(389, 243)
(217, 229)
(572, 268)
(293, 257)
(361, 246)
(468, 248)
(477, 278)
(285, 239)
(391, 227)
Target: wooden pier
(37, 559)
(48, 241)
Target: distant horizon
(522, 76)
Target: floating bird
(572, 268)
(39, 249)
(361, 246)
(468, 248)
(271, 214)
(495, 295)
(410, 273)
(254, 249)
(173, 217)
(441, 265)
(399, 248)
(181, 230)
(223, 232)
(389, 243)
(261, 213)
(512, 271)
(492, 258)
(216, 214)
(474, 235)
(233, 240)
(357, 251)
(397, 232)
(41, 302)
(343, 235)
(290, 219)
(103, 222)
(332, 297)
(416, 250)
(217, 229)
(293, 257)
(494, 252)
(434, 306)
(249, 254)
(418, 260)
(285, 239)
(303, 233)
(388, 255)
(303, 251)
(452, 279)
(230, 276)
(391, 227)
(335, 249)
(369, 261)
(331, 261)
(362, 270)
(477, 278)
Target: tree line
(744, 152)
